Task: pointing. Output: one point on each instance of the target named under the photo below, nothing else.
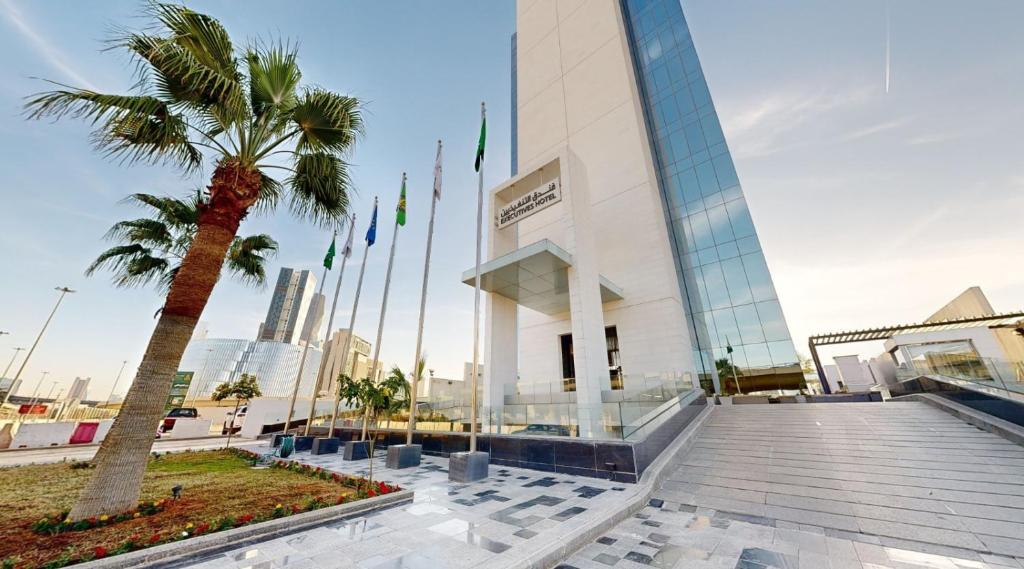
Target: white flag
(437, 173)
(347, 251)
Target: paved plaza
(815, 486)
(819, 486)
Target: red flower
(371, 492)
(154, 538)
(99, 552)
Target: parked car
(234, 422)
(173, 415)
(544, 430)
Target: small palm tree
(245, 388)
(391, 395)
(151, 248)
(200, 102)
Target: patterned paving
(448, 525)
(819, 486)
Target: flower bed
(221, 492)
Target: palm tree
(245, 388)
(200, 102)
(152, 248)
(375, 399)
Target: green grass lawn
(217, 484)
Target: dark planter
(468, 466)
(303, 443)
(325, 445)
(404, 456)
(276, 441)
(356, 450)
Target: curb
(994, 425)
(190, 548)
(650, 481)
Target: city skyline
(818, 143)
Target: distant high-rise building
(79, 389)
(314, 320)
(214, 361)
(290, 307)
(359, 351)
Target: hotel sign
(542, 198)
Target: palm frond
(247, 258)
(327, 121)
(132, 265)
(202, 36)
(184, 80)
(147, 232)
(319, 189)
(273, 78)
(270, 194)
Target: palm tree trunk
(121, 460)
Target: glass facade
(729, 295)
(275, 365)
(515, 110)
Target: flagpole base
(325, 445)
(356, 450)
(303, 443)
(404, 456)
(468, 466)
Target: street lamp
(32, 401)
(63, 292)
(9, 364)
(117, 379)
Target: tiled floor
(840, 486)
(447, 526)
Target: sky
(877, 198)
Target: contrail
(888, 49)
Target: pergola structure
(1007, 320)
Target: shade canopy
(535, 276)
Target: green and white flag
(400, 217)
(437, 173)
(483, 139)
(329, 258)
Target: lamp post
(63, 292)
(206, 362)
(32, 401)
(9, 364)
(117, 379)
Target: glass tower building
(738, 331)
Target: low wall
(623, 461)
(189, 429)
(36, 435)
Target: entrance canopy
(535, 276)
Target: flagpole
(423, 299)
(330, 324)
(383, 311)
(302, 365)
(351, 326)
(476, 298)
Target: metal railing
(1000, 377)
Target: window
(611, 337)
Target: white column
(501, 329)
(590, 355)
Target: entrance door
(611, 337)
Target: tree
(245, 388)
(151, 249)
(375, 399)
(728, 374)
(199, 102)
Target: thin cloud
(54, 56)
(873, 130)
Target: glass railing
(1000, 377)
(544, 409)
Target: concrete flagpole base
(468, 466)
(404, 456)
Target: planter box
(303, 443)
(276, 441)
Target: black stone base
(323, 445)
(276, 442)
(404, 456)
(468, 466)
(356, 450)
(303, 443)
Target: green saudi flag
(400, 217)
(483, 139)
(329, 257)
